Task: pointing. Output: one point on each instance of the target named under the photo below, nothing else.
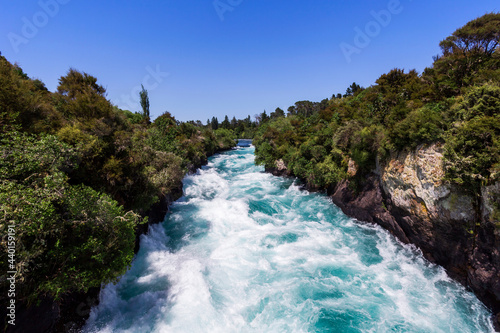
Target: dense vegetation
(78, 175)
(242, 128)
(455, 102)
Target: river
(245, 251)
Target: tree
(165, 122)
(323, 104)
(76, 83)
(480, 36)
(472, 149)
(215, 123)
(264, 117)
(278, 113)
(68, 237)
(353, 89)
(469, 55)
(397, 86)
(81, 97)
(144, 102)
(226, 124)
(304, 108)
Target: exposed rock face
(414, 182)
(279, 169)
(367, 206)
(65, 315)
(435, 216)
(407, 196)
(280, 165)
(484, 272)
(352, 168)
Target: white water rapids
(244, 251)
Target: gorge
(247, 251)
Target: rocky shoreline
(406, 196)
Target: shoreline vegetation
(80, 180)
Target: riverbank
(406, 196)
(71, 311)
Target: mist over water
(244, 251)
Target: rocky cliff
(407, 195)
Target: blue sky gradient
(226, 57)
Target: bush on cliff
(472, 149)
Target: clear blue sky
(263, 54)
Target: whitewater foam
(244, 251)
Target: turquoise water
(244, 251)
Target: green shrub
(482, 101)
(472, 148)
(225, 138)
(330, 172)
(68, 237)
(424, 125)
(472, 152)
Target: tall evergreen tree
(226, 124)
(144, 102)
(264, 117)
(215, 123)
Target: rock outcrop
(407, 196)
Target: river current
(245, 251)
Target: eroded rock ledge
(407, 196)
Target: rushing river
(244, 251)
